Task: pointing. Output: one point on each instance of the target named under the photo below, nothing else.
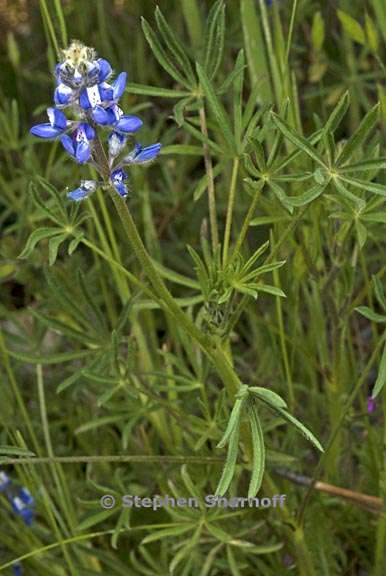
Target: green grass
(222, 325)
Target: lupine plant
(192, 269)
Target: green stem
(136, 459)
(211, 191)
(248, 218)
(209, 347)
(231, 203)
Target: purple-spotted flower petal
(86, 188)
(117, 179)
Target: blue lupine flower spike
(84, 86)
(22, 504)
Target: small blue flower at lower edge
(86, 188)
(142, 155)
(22, 504)
(117, 179)
(17, 569)
(56, 126)
(78, 144)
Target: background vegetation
(91, 367)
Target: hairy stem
(211, 191)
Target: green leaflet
(268, 396)
(258, 462)
(161, 54)
(379, 292)
(230, 463)
(381, 378)
(216, 107)
(175, 45)
(167, 532)
(359, 136)
(303, 429)
(297, 140)
(144, 90)
(214, 38)
(370, 314)
(233, 422)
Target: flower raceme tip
(84, 87)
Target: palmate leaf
(36, 236)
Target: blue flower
(117, 179)
(99, 94)
(142, 155)
(23, 506)
(116, 143)
(5, 481)
(64, 95)
(55, 127)
(80, 67)
(86, 188)
(83, 86)
(114, 116)
(22, 502)
(17, 569)
(78, 144)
